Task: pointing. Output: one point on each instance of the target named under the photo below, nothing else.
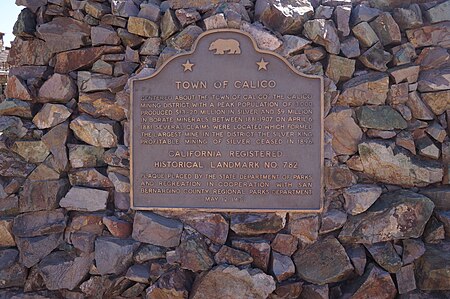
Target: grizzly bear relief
(231, 46)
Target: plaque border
(243, 210)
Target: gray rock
(363, 13)
(37, 195)
(157, 230)
(380, 118)
(332, 220)
(376, 58)
(408, 18)
(25, 25)
(386, 29)
(32, 250)
(358, 198)
(85, 199)
(374, 283)
(251, 224)
(378, 223)
(439, 13)
(385, 255)
(432, 269)
(431, 35)
(434, 80)
(264, 39)
(342, 14)
(282, 266)
(323, 32)
(12, 274)
(350, 47)
(39, 223)
(114, 255)
(96, 132)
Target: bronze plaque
(227, 127)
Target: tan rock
(215, 22)
(89, 177)
(346, 133)
(323, 32)
(408, 73)
(186, 38)
(365, 34)
(82, 156)
(374, 283)
(439, 101)
(169, 24)
(304, 226)
(17, 89)
(85, 199)
(51, 115)
(16, 107)
(142, 27)
(340, 68)
(58, 88)
(101, 104)
(365, 89)
(431, 35)
(418, 108)
(31, 151)
(6, 235)
(386, 29)
(264, 39)
(96, 132)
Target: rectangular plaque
(227, 127)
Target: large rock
(231, 256)
(376, 58)
(234, 283)
(174, 284)
(439, 195)
(32, 250)
(100, 104)
(142, 27)
(76, 34)
(281, 266)
(113, 255)
(264, 39)
(62, 270)
(58, 88)
(14, 165)
(51, 115)
(438, 102)
(358, 198)
(31, 151)
(408, 18)
(375, 283)
(96, 132)
(18, 89)
(213, 226)
(346, 133)
(39, 223)
(259, 250)
(285, 17)
(304, 226)
(85, 199)
(55, 140)
(84, 156)
(380, 118)
(340, 68)
(397, 215)
(323, 262)
(76, 59)
(323, 32)
(193, 254)
(25, 25)
(257, 224)
(434, 80)
(6, 235)
(431, 35)
(12, 273)
(16, 107)
(386, 29)
(371, 89)
(385, 165)
(42, 195)
(365, 34)
(439, 13)
(433, 268)
(186, 38)
(157, 230)
(29, 52)
(385, 255)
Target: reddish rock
(258, 249)
(58, 88)
(264, 39)
(332, 220)
(432, 58)
(431, 35)
(287, 290)
(174, 284)
(231, 256)
(346, 133)
(30, 52)
(375, 283)
(55, 140)
(51, 115)
(284, 244)
(323, 262)
(76, 34)
(408, 73)
(365, 89)
(257, 224)
(13, 165)
(117, 227)
(304, 226)
(76, 59)
(213, 226)
(40, 223)
(157, 230)
(42, 195)
(17, 89)
(434, 80)
(113, 255)
(312, 291)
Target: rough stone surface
(257, 224)
(323, 262)
(365, 89)
(84, 199)
(398, 215)
(157, 230)
(58, 88)
(346, 133)
(374, 283)
(432, 269)
(246, 283)
(40, 223)
(51, 115)
(380, 118)
(323, 32)
(96, 132)
(112, 255)
(358, 198)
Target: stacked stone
(66, 230)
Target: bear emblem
(231, 46)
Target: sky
(8, 16)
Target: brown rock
(16, 107)
(76, 34)
(149, 252)
(157, 230)
(403, 54)
(12, 273)
(333, 265)
(431, 35)
(81, 156)
(185, 39)
(374, 283)
(418, 108)
(213, 226)
(81, 58)
(169, 24)
(284, 244)
(62, 270)
(304, 226)
(358, 198)
(432, 58)
(340, 68)
(13, 165)
(439, 101)
(256, 224)
(215, 22)
(138, 273)
(51, 115)
(398, 94)
(96, 9)
(42, 195)
(103, 67)
(174, 284)
(264, 39)
(378, 224)
(84, 199)
(142, 27)
(58, 88)
(315, 292)
(287, 290)
(412, 250)
(192, 253)
(432, 269)
(231, 256)
(29, 52)
(408, 73)
(151, 46)
(332, 220)
(376, 58)
(101, 104)
(235, 283)
(434, 80)
(17, 89)
(31, 151)
(117, 227)
(6, 235)
(385, 255)
(292, 44)
(434, 231)
(365, 89)
(55, 140)
(113, 255)
(386, 29)
(281, 266)
(323, 32)
(96, 132)
(346, 133)
(365, 34)
(128, 39)
(285, 17)
(337, 177)
(40, 223)
(258, 249)
(408, 18)
(405, 279)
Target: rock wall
(66, 230)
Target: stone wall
(66, 230)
